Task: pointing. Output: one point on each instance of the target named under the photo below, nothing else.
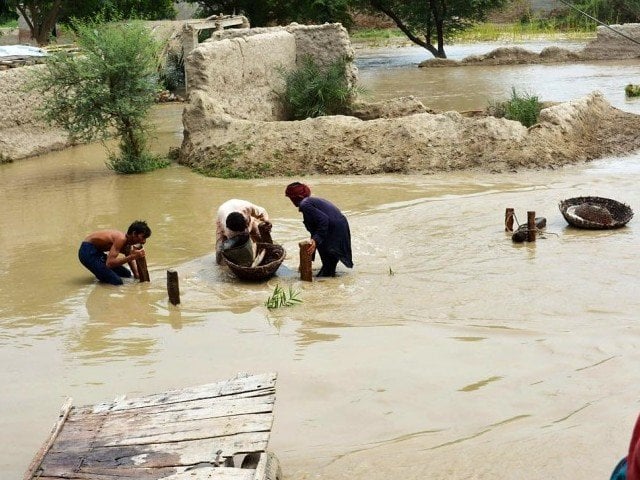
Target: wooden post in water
(173, 288)
(305, 262)
(265, 234)
(143, 272)
(508, 219)
(531, 226)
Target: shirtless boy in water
(105, 252)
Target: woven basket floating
(595, 213)
(273, 257)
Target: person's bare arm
(138, 253)
(115, 260)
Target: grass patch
(225, 164)
(282, 298)
(9, 23)
(524, 108)
(495, 32)
(376, 34)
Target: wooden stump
(143, 272)
(508, 219)
(531, 226)
(305, 262)
(173, 287)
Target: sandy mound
(420, 143)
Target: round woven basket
(595, 213)
(274, 255)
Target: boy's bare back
(104, 240)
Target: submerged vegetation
(524, 108)
(282, 298)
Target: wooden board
(198, 433)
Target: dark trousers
(329, 264)
(95, 261)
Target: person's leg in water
(120, 270)
(94, 261)
(329, 264)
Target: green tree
(265, 12)
(429, 23)
(6, 12)
(42, 15)
(113, 9)
(108, 88)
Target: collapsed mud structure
(234, 124)
(614, 43)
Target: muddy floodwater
(447, 352)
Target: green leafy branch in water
(282, 298)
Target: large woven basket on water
(595, 213)
(273, 257)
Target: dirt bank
(570, 132)
(22, 133)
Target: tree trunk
(437, 14)
(400, 24)
(40, 22)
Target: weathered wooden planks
(198, 433)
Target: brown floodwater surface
(447, 352)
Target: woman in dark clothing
(329, 228)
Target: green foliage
(523, 108)
(116, 9)
(312, 91)
(282, 298)
(607, 11)
(172, 74)
(108, 88)
(126, 164)
(8, 16)
(510, 32)
(632, 90)
(267, 12)
(430, 24)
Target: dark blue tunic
(329, 228)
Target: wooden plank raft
(216, 431)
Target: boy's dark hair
(139, 226)
(236, 222)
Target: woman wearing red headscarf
(329, 228)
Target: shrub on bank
(524, 108)
(107, 89)
(632, 90)
(311, 91)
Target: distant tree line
(428, 23)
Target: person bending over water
(238, 217)
(105, 252)
(329, 228)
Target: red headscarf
(296, 191)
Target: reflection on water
(448, 351)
